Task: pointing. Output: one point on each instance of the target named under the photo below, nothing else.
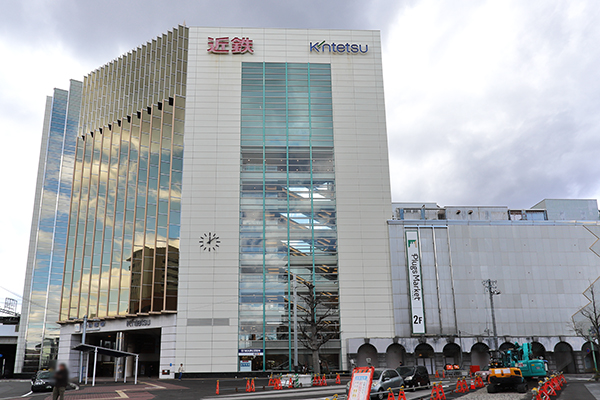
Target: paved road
(13, 388)
(192, 389)
(580, 390)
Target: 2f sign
(415, 281)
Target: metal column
(81, 368)
(95, 363)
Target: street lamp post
(492, 288)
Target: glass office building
(123, 244)
(213, 169)
(39, 332)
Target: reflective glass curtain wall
(287, 206)
(123, 243)
(49, 231)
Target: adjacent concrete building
(542, 260)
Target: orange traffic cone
(338, 381)
(290, 383)
(248, 385)
(324, 380)
(217, 392)
(437, 373)
(252, 388)
(277, 384)
(391, 395)
(444, 373)
(472, 384)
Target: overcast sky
(491, 102)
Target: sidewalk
(108, 389)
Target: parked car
(43, 381)
(383, 379)
(414, 377)
(484, 372)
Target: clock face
(209, 241)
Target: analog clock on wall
(209, 241)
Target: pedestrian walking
(61, 381)
(180, 370)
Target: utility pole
(81, 368)
(295, 286)
(492, 288)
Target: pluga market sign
(415, 281)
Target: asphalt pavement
(10, 388)
(578, 388)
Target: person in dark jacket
(61, 381)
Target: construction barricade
(549, 387)
(461, 386)
(437, 392)
(479, 382)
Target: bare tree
(317, 320)
(586, 321)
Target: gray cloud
(97, 29)
(488, 101)
(511, 116)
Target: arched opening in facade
(480, 355)
(424, 355)
(563, 355)
(588, 356)
(367, 356)
(452, 354)
(394, 355)
(538, 350)
(506, 346)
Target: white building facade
(215, 167)
(441, 257)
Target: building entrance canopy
(88, 348)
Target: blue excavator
(521, 356)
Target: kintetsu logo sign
(238, 45)
(324, 47)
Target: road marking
(27, 394)
(121, 394)
(321, 392)
(152, 384)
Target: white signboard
(245, 366)
(360, 385)
(415, 283)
